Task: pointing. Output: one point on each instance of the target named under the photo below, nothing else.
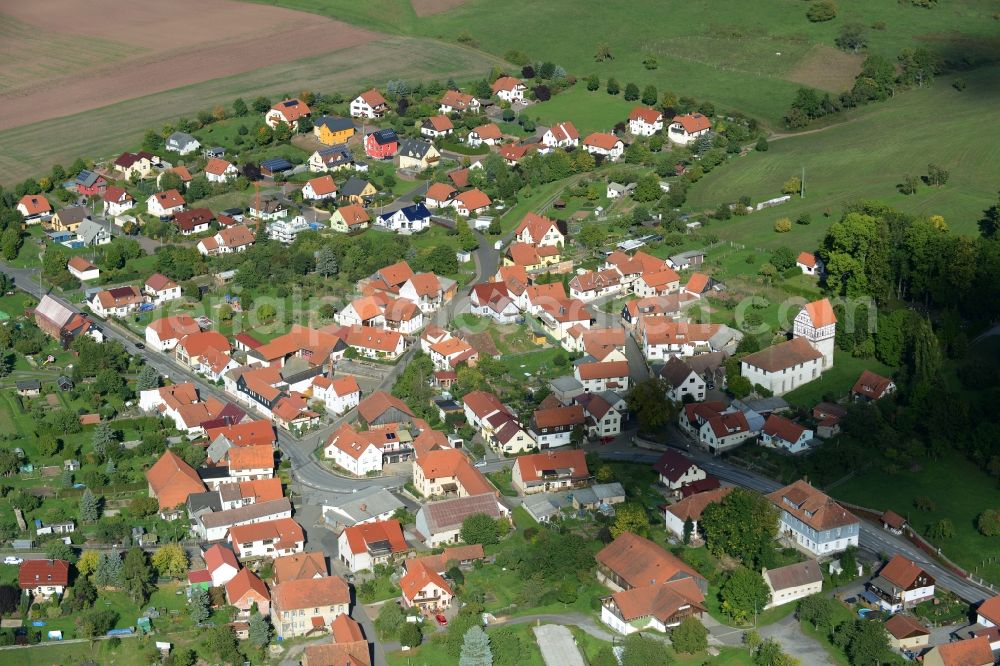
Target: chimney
(364, 507)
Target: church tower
(818, 324)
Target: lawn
(864, 158)
(841, 614)
(541, 363)
(960, 502)
(434, 653)
(588, 111)
(32, 149)
(837, 381)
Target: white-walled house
(160, 289)
(782, 433)
(809, 263)
(682, 380)
(561, 135)
(793, 582)
(644, 121)
(676, 470)
(353, 451)
(901, 584)
(407, 220)
(369, 104)
(688, 128)
(814, 521)
(338, 395)
(363, 546)
(605, 145)
(509, 89)
(165, 204)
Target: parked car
(13, 559)
(441, 619)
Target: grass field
(32, 149)
(588, 111)
(837, 381)
(968, 491)
(865, 157)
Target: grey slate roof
(89, 230)
(415, 148)
(334, 124)
(363, 505)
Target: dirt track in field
(432, 7)
(169, 45)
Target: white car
(13, 559)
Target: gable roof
(639, 562)
(794, 575)
(558, 417)
(693, 122)
(417, 577)
(379, 402)
(373, 98)
(334, 123)
(35, 204)
(457, 100)
(300, 566)
(473, 199)
(783, 355)
(310, 593)
(440, 192)
(990, 609)
(901, 572)
(533, 467)
(811, 506)
(902, 626)
(217, 166)
(283, 533)
(34, 573)
(969, 652)
(602, 140)
(645, 114)
(565, 131)
(322, 185)
(821, 313)
(661, 601)
(673, 465)
(353, 214)
(361, 537)
(292, 109)
(244, 583)
(871, 385)
(172, 480)
(448, 514)
(783, 428)
(218, 556)
(806, 259)
(507, 83)
(694, 505)
(488, 131)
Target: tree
(58, 550)
(690, 636)
(389, 621)
(409, 635)
(603, 52)
(199, 605)
(261, 104)
(642, 651)
(612, 87)
(10, 597)
(239, 107)
(148, 379)
(647, 189)
(631, 92)
(909, 185)
(649, 95)
(648, 400)
(743, 594)
(476, 648)
(326, 262)
(792, 186)
(103, 439)
(988, 522)
(96, 622)
(852, 37)
(480, 528)
(593, 83)
(90, 507)
(688, 530)
(138, 576)
(87, 564)
(630, 517)
(743, 525)
(864, 642)
(222, 642)
(84, 594)
(942, 529)
(782, 258)
(824, 10)
(768, 653)
(259, 631)
(936, 176)
(170, 561)
(989, 223)
(817, 610)
(762, 145)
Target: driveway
(804, 648)
(558, 646)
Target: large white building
(785, 366)
(813, 521)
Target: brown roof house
(307, 605)
(171, 480)
(550, 471)
(970, 652)
(814, 522)
(691, 508)
(901, 584)
(246, 589)
(793, 582)
(871, 387)
(653, 588)
(906, 633)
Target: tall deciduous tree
(743, 594)
(648, 400)
(743, 525)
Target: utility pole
(802, 186)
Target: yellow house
(532, 258)
(357, 191)
(332, 131)
(349, 218)
(68, 219)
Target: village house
(643, 121)
(550, 471)
(448, 472)
(135, 165)
(91, 233)
(287, 111)
(62, 324)
(165, 204)
(488, 134)
(607, 146)
(425, 589)
(725, 431)
(194, 221)
(653, 589)
(491, 299)
(375, 343)
(90, 183)
(603, 419)
(439, 522)
(417, 155)
(228, 240)
(286, 231)
(561, 135)
(218, 170)
(436, 127)
(300, 607)
(161, 289)
(676, 470)
(454, 101)
(82, 269)
(553, 427)
(688, 128)
(300, 566)
(472, 202)
(690, 508)
(661, 338)
(34, 208)
(369, 104)
(968, 652)
(440, 195)
(357, 191)
(269, 539)
(338, 395)
(682, 380)
(332, 158)
(809, 263)
(115, 302)
(540, 231)
(813, 521)
(793, 582)
(381, 144)
(221, 564)
(349, 219)
(355, 452)
(214, 525)
(602, 376)
(319, 189)
(513, 153)
(43, 579)
(901, 584)
(871, 387)
(383, 410)
(783, 433)
(267, 209)
(509, 89)
(592, 285)
(406, 220)
(181, 404)
(116, 201)
(362, 547)
(245, 591)
(181, 172)
(171, 481)
(69, 219)
(333, 131)
(906, 633)
(182, 143)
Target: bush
(783, 225)
(824, 10)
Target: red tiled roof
(172, 480)
(219, 555)
(783, 355)
(807, 259)
(43, 572)
(473, 199)
(871, 385)
(440, 192)
(378, 403)
(821, 313)
(638, 561)
(299, 566)
(693, 122)
(323, 185)
(488, 131)
(243, 458)
(417, 577)
(969, 652)
(292, 109)
(811, 506)
(694, 505)
(783, 428)
(360, 536)
(216, 166)
(284, 532)
(373, 98)
(648, 116)
(603, 370)
(310, 593)
(557, 417)
(602, 140)
(505, 83)
(35, 204)
(533, 466)
(246, 583)
(901, 572)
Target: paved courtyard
(558, 646)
